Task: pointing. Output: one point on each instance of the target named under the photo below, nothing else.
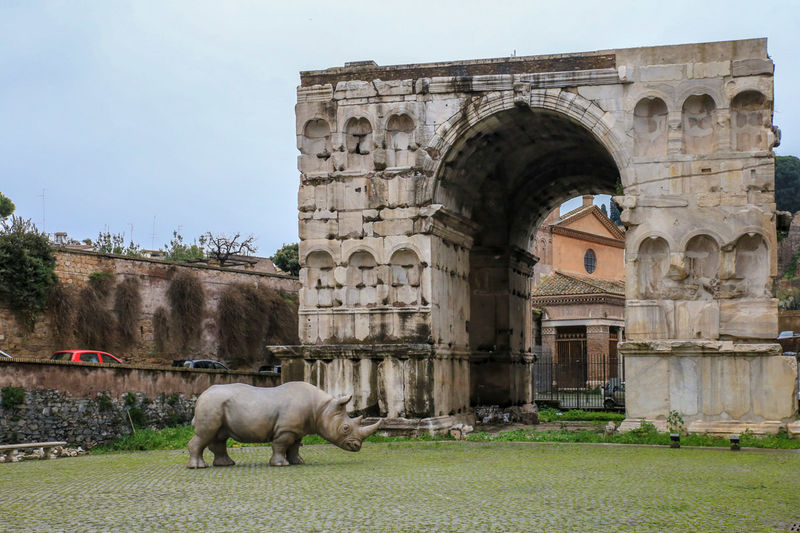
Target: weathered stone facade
(422, 186)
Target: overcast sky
(182, 113)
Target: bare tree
(222, 247)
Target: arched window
(590, 261)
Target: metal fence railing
(580, 381)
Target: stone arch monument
(422, 187)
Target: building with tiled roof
(578, 290)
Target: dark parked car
(270, 368)
(614, 393)
(86, 356)
(789, 341)
(206, 364)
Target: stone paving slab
(410, 487)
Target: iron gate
(579, 380)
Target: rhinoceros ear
(343, 400)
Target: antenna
(42, 196)
(131, 225)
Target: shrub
(187, 305)
(137, 417)
(12, 397)
(287, 259)
(129, 399)
(27, 269)
(251, 317)
(104, 402)
(127, 306)
(102, 283)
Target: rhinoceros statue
(281, 415)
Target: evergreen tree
(787, 183)
(615, 215)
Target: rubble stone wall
(85, 404)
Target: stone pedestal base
(393, 381)
(720, 427)
(716, 387)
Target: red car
(86, 356)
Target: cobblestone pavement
(410, 487)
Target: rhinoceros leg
(196, 447)
(220, 452)
(280, 446)
(293, 454)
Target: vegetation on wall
(12, 397)
(287, 259)
(127, 307)
(62, 305)
(187, 301)
(161, 331)
(249, 318)
(95, 325)
(27, 269)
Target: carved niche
(650, 127)
(315, 148)
(400, 145)
(702, 267)
(698, 124)
(359, 144)
(319, 289)
(752, 265)
(750, 122)
(405, 278)
(362, 279)
(653, 265)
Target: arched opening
(505, 174)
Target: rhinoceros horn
(343, 400)
(366, 431)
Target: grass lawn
(411, 486)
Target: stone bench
(10, 453)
